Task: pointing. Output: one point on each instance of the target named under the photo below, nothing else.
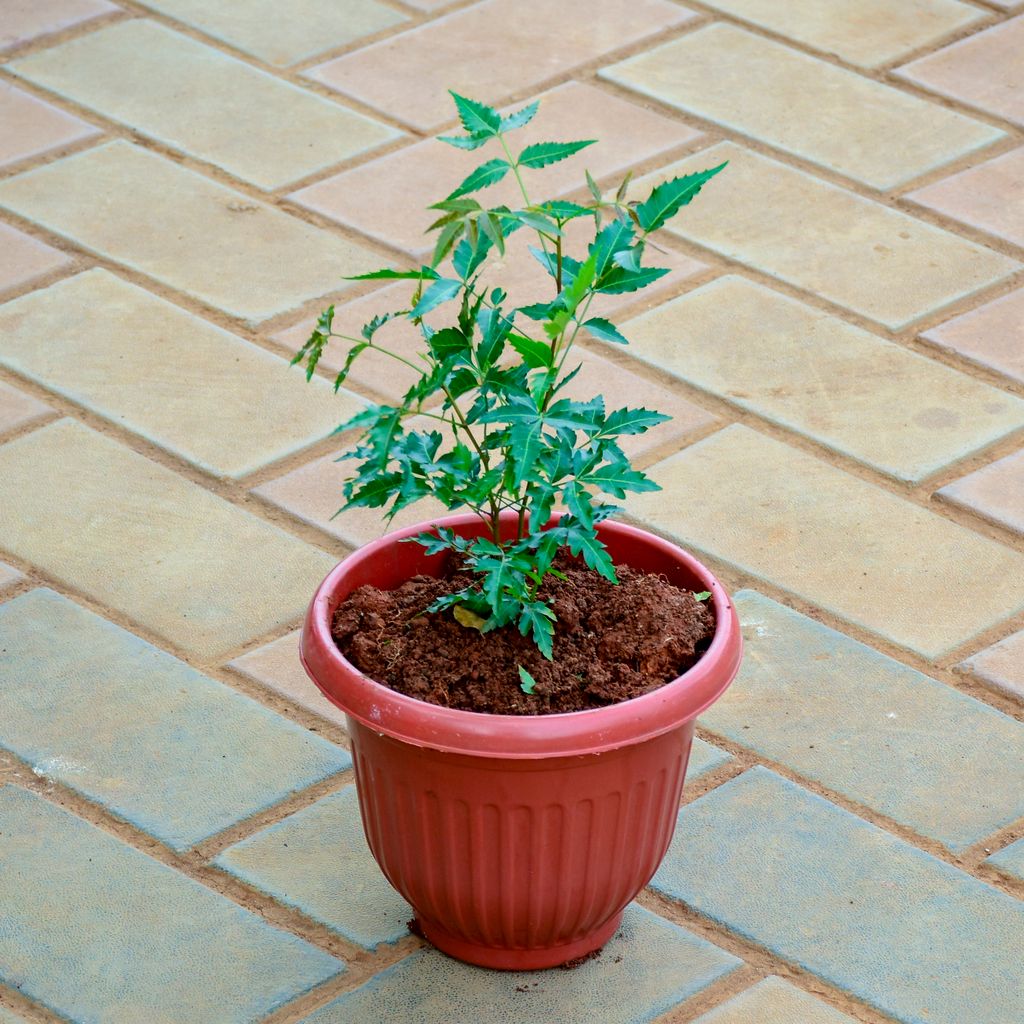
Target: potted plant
(520, 754)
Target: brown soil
(612, 642)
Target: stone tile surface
(1001, 665)
(774, 1001)
(95, 930)
(864, 725)
(23, 258)
(9, 576)
(199, 571)
(857, 253)
(188, 386)
(282, 34)
(7, 1017)
(276, 665)
(989, 196)
(18, 409)
(228, 250)
(167, 748)
(407, 75)
(1010, 859)
(317, 860)
(255, 126)
(648, 967)
(388, 198)
(881, 31)
(992, 335)
(25, 20)
(994, 492)
(982, 70)
(34, 127)
(811, 372)
(869, 913)
(892, 567)
(704, 758)
(805, 106)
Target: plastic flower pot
(518, 840)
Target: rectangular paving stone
(1010, 859)
(282, 34)
(197, 99)
(650, 966)
(995, 491)
(9, 576)
(7, 1017)
(704, 758)
(23, 258)
(408, 75)
(241, 256)
(276, 665)
(982, 70)
(33, 127)
(855, 252)
(186, 385)
(190, 566)
(881, 31)
(387, 198)
(907, 933)
(989, 197)
(17, 409)
(774, 1001)
(864, 725)
(921, 581)
(766, 90)
(317, 860)
(811, 372)
(992, 335)
(134, 729)
(29, 19)
(1001, 665)
(97, 931)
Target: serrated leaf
(465, 141)
(538, 222)
(667, 198)
(585, 543)
(536, 354)
(563, 209)
(468, 256)
(616, 478)
(490, 225)
(537, 311)
(632, 421)
(440, 291)
(526, 682)
(368, 330)
(485, 175)
(629, 259)
(445, 240)
(540, 154)
(520, 117)
(476, 117)
(538, 620)
(448, 342)
(456, 205)
(605, 330)
(619, 280)
(612, 238)
(595, 189)
(395, 275)
(353, 354)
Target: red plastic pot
(518, 840)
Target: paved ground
(181, 187)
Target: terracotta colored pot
(518, 840)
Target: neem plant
(516, 445)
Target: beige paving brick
(992, 334)
(17, 408)
(488, 51)
(855, 252)
(201, 101)
(9, 576)
(228, 250)
(388, 198)
(880, 31)
(29, 19)
(869, 557)
(803, 105)
(995, 492)
(276, 665)
(24, 258)
(32, 127)
(989, 196)
(190, 387)
(808, 371)
(982, 70)
(282, 33)
(193, 568)
(1002, 665)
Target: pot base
(503, 959)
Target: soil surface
(612, 642)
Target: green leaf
(604, 330)
(353, 353)
(440, 291)
(395, 275)
(536, 354)
(666, 199)
(615, 478)
(456, 206)
(563, 209)
(468, 256)
(611, 239)
(490, 225)
(538, 620)
(619, 280)
(702, 596)
(595, 189)
(537, 311)
(632, 421)
(519, 118)
(540, 154)
(585, 543)
(476, 117)
(445, 240)
(448, 342)
(526, 682)
(538, 222)
(486, 174)
(465, 141)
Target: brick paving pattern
(184, 184)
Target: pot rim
(474, 733)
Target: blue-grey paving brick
(1010, 859)
(647, 968)
(101, 934)
(178, 754)
(871, 914)
(704, 758)
(869, 727)
(317, 860)
(7, 1017)
(774, 1001)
